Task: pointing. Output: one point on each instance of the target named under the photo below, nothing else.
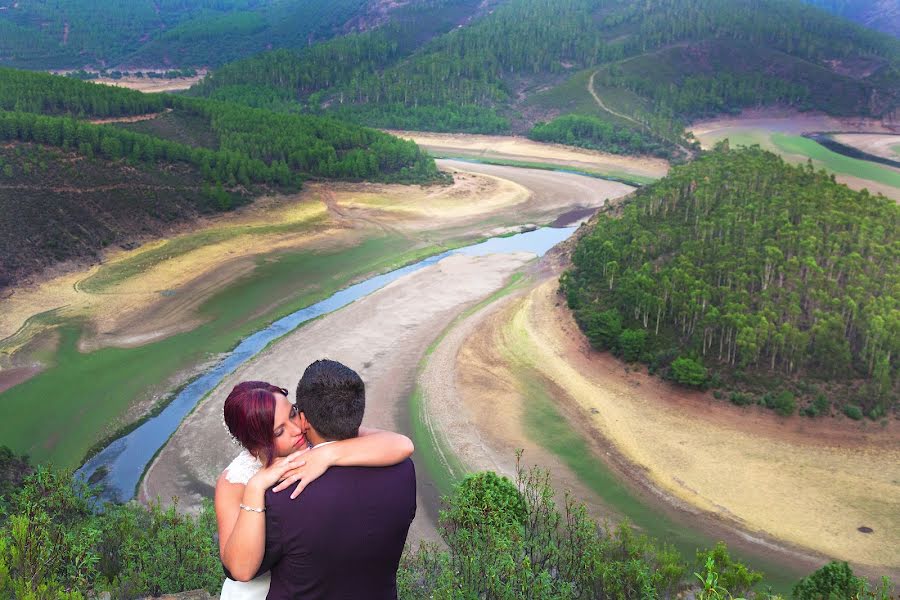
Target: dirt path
(599, 101)
(131, 119)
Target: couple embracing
(342, 537)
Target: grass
(896, 149)
(794, 144)
(58, 415)
(569, 96)
(620, 176)
(545, 423)
(119, 271)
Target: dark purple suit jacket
(343, 536)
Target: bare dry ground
(883, 145)
(790, 122)
(522, 149)
(148, 85)
(795, 482)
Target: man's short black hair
(333, 398)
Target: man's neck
(315, 439)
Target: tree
(688, 371)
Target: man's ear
(304, 424)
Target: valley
(625, 273)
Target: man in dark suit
(343, 536)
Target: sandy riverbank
(883, 145)
(522, 149)
(151, 85)
(798, 483)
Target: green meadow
(838, 163)
(59, 415)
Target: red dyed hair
(250, 417)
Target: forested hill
(56, 34)
(531, 59)
(767, 281)
(61, 173)
(883, 15)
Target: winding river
(119, 466)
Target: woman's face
(288, 436)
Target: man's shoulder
(394, 479)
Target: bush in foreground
(504, 540)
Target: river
(119, 466)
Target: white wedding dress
(241, 469)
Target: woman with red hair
(260, 418)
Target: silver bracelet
(251, 509)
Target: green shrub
(53, 541)
(630, 343)
(784, 403)
(485, 500)
(546, 555)
(834, 580)
(740, 398)
(602, 328)
(733, 576)
(853, 411)
(688, 371)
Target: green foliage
(630, 344)
(54, 546)
(836, 581)
(783, 403)
(601, 328)
(740, 398)
(853, 411)
(55, 34)
(485, 499)
(681, 58)
(537, 552)
(731, 575)
(591, 132)
(755, 266)
(251, 146)
(13, 471)
(688, 371)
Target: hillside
(131, 180)
(719, 55)
(883, 15)
(769, 282)
(59, 205)
(49, 34)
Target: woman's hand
(315, 462)
(269, 476)
(372, 448)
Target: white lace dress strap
(242, 468)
